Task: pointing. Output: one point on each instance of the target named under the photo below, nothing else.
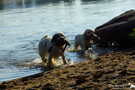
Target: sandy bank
(109, 71)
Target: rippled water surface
(23, 24)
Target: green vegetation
(132, 36)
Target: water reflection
(92, 0)
(52, 1)
(12, 4)
(1, 5)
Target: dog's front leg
(84, 47)
(49, 60)
(64, 59)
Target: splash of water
(88, 53)
(37, 61)
(59, 62)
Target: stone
(119, 31)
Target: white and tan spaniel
(53, 48)
(85, 40)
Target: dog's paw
(70, 62)
(66, 63)
(49, 65)
(45, 60)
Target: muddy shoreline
(109, 71)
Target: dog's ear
(84, 35)
(93, 31)
(63, 35)
(58, 39)
(54, 38)
(88, 32)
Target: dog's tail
(45, 37)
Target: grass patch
(132, 36)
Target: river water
(24, 22)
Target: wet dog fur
(85, 40)
(52, 48)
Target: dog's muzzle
(93, 37)
(61, 42)
(90, 36)
(96, 39)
